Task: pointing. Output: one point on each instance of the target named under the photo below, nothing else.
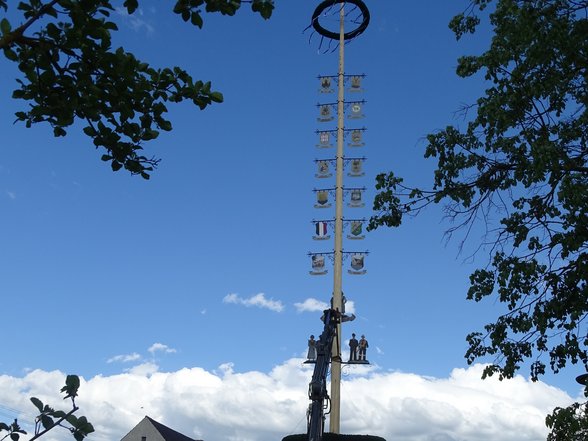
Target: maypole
(335, 418)
(340, 162)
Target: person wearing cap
(363, 345)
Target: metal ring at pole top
(335, 35)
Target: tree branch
(17, 34)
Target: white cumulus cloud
(160, 347)
(311, 305)
(350, 307)
(144, 369)
(259, 406)
(124, 358)
(258, 300)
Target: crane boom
(317, 389)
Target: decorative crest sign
(357, 264)
(318, 264)
(325, 85)
(321, 230)
(356, 197)
(356, 230)
(325, 113)
(325, 138)
(356, 167)
(323, 168)
(322, 199)
(356, 83)
(356, 110)
(356, 138)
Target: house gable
(150, 430)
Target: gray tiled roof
(167, 433)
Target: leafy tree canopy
(569, 424)
(521, 158)
(70, 72)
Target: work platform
(342, 362)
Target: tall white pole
(335, 419)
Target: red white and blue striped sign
(321, 229)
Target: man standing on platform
(363, 345)
(353, 343)
(311, 348)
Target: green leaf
(14, 436)
(38, 404)
(10, 54)
(47, 421)
(90, 131)
(131, 5)
(81, 428)
(53, 31)
(217, 97)
(196, 19)
(5, 26)
(72, 384)
(59, 131)
(150, 134)
(165, 125)
(16, 428)
(110, 26)
(263, 7)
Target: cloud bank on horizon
(255, 406)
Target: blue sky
(205, 266)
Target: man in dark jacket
(353, 343)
